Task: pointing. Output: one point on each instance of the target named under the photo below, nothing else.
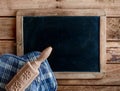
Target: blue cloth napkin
(10, 64)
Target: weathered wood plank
(113, 44)
(89, 1)
(113, 55)
(88, 88)
(9, 7)
(30, 4)
(113, 28)
(112, 13)
(7, 12)
(93, 1)
(116, 1)
(7, 47)
(61, 12)
(79, 5)
(26, 4)
(109, 12)
(7, 28)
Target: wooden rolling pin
(27, 73)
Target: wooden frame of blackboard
(67, 12)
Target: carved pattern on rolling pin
(16, 86)
(26, 75)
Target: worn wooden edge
(113, 44)
(79, 75)
(71, 12)
(113, 13)
(102, 43)
(62, 12)
(113, 62)
(9, 8)
(109, 12)
(88, 88)
(80, 5)
(113, 40)
(19, 36)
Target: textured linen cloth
(10, 64)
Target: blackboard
(75, 41)
(78, 39)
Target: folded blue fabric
(10, 64)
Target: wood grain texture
(7, 47)
(88, 88)
(113, 44)
(19, 39)
(103, 43)
(113, 13)
(113, 28)
(25, 4)
(10, 7)
(61, 12)
(113, 55)
(79, 5)
(89, 1)
(7, 28)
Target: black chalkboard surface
(75, 41)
